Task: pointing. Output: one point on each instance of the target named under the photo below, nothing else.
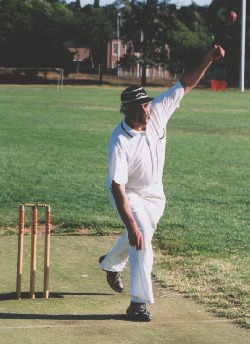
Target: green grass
(206, 237)
(53, 150)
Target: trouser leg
(146, 216)
(141, 261)
(117, 258)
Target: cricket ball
(233, 16)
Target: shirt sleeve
(117, 165)
(166, 103)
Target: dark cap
(135, 94)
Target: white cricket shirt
(136, 158)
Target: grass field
(53, 150)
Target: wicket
(34, 227)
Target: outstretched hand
(217, 52)
(191, 79)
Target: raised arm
(191, 79)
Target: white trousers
(146, 215)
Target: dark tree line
(33, 33)
(36, 33)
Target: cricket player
(136, 156)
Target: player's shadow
(25, 295)
(53, 295)
(64, 317)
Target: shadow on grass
(53, 295)
(21, 316)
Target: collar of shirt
(129, 131)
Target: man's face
(139, 114)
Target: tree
(188, 37)
(160, 24)
(141, 25)
(94, 31)
(33, 33)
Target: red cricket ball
(233, 16)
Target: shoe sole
(138, 318)
(135, 315)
